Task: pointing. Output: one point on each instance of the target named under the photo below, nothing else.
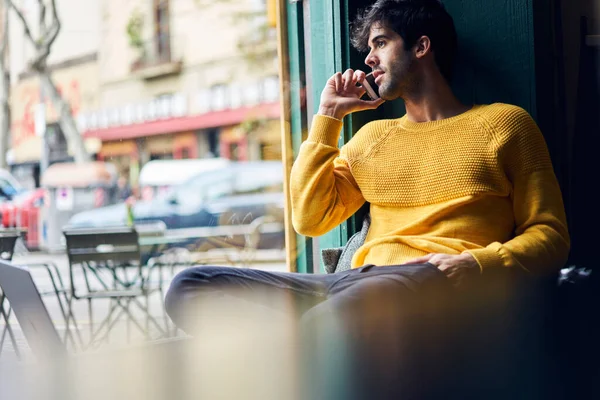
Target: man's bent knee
(184, 288)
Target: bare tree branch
(38, 63)
(42, 19)
(55, 27)
(23, 20)
(5, 118)
(54, 11)
(4, 41)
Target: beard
(400, 77)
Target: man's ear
(422, 47)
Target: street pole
(40, 130)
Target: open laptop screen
(32, 315)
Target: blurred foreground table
(231, 365)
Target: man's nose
(371, 60)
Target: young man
(455, 191)
(463, 188)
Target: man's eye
(380, 44)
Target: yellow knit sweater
(481, 182)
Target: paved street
(124, 332)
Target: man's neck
(433, 101)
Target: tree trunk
(4, 115)
(67, 122)
(4, 90)
(49, 31)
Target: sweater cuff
(488, 257)
(325, 130)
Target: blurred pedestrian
(124, 189)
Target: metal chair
(8, 239)
(8, 242)
(36, 323)
(235, 245)
(109, 260)
(261, 225)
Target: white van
(158, 176)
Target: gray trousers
(387, 325)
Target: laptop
(32, 315)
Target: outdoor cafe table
(180, 369)
(224, 238)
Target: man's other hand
(460, 269)
(341, 95)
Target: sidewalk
(119, 335)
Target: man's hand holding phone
(342, 94)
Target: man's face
(392, 64)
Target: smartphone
(371, 87)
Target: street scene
(131, 137)
(120, 335)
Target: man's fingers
(360, 75)
(420, 260)
(449, 270)
(348, 78)
(372, 104)
(360, 91)
(338, 81)
(450, 273)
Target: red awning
(209, 120)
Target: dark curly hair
(411, 19)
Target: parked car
(23, 211)
(159, 176)
(15, 212)
(9, 186)
(233, 195)
(9, 189)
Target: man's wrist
(330, 111)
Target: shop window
(162, 29)
(219, 97)
(233, 151)
(270, 151)
(161, 156)
(213, 142)
(56, 142)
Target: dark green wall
(496, 60)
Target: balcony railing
(158, 57)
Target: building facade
(153, 79)
(175, 84)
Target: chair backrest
(8, 240)
(340, 259)
(118, 245)
(152, 228)
(24, 298)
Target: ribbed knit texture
(480, 182)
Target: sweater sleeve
(541, 241)
(323, 190)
